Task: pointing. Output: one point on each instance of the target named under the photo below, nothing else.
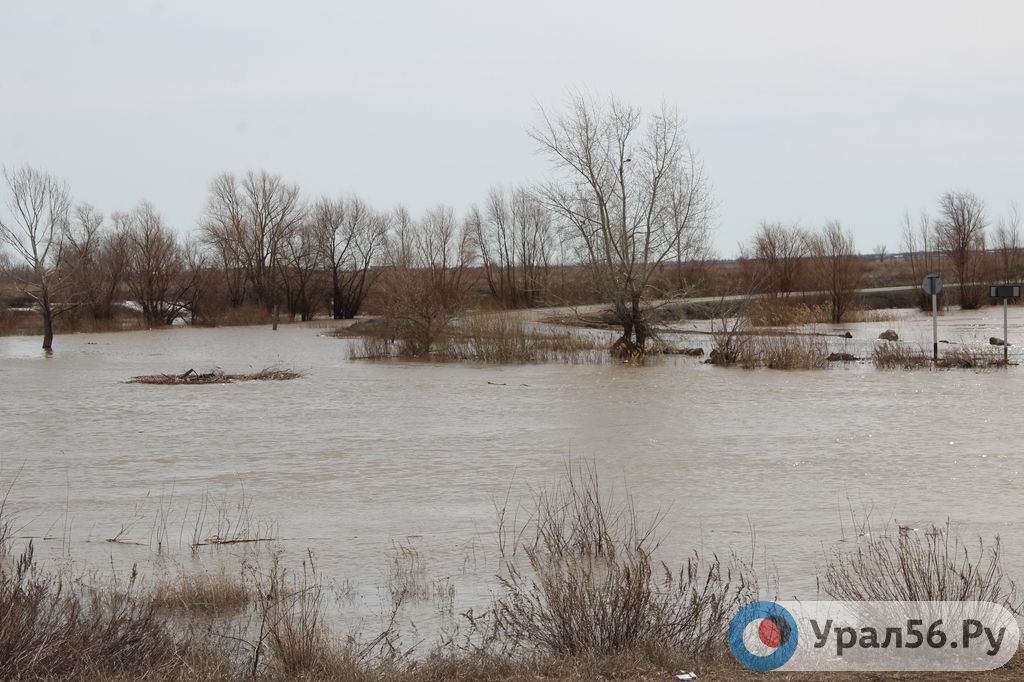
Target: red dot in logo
(769, 633)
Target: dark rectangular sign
(1005, 291)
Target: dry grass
(879, 315)
(210, 594)
(591, 586)
(55, 628)
(214, 376)
(898, 355)
(779, 312)
(964, 357)
(407, 578)
(785, 352)
(498, 338)
(933, 564)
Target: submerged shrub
(915, 565)
(897, 355)
(785, 352)
(591, 585)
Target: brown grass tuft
(204, 594)
(898, 355)
(785, 352)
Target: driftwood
(215, 376)
(229, 541)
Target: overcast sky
(802, 111)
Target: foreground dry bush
(581, 597)
(931, 564)
(54, 628)
(590, 585)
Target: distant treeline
(625, 220)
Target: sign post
(1005, 292)
(932, 285)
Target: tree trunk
(275, 315)
(47, 321)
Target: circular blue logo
(763, 635)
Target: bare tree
(630, 190)
(960, 233)
(427, 281)
(250, 222)
(158, 278)
(880, 251)
(351, 238)
(1008, 244)
(920, 244)
(777, 257)
(37, 231)
(514, 235)
(302, 272)
(836, 268)
(223, 228)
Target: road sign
(1005, 291)
(932, 284)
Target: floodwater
(358, 456)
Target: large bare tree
(777, 259)
(960, 232)
(515, 237)
(37, 230)
(836, 268)
(631, 192)
(250, 221)
(1008, 244)
(158, 276)
(351, 238)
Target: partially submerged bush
(785, 352)
(591, 585)
(963, 357)
(492, 338)
(913, 565)
(898, 355)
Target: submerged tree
(427, 280)
(836, 268)
(633, 196)
(37, 230)
(351, 238)
(960, 230)
(250, 221)
(514, 235)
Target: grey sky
(802, 110)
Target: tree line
(626, 210)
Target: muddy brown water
(357, 456)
